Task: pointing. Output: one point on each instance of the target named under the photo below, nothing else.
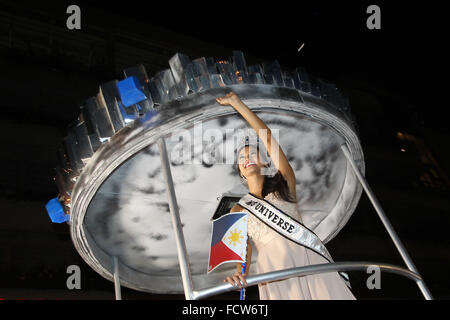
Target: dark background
(391, 76)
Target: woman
(275, 252)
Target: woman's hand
(236, 280)
(231, 99)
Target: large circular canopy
(119, 204)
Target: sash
(287, 226)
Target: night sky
(394, 78)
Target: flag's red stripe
(220, 253)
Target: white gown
(274, 252)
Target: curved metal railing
(305, 271)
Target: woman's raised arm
(273, 148)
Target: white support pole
(116, 279)
(176, 221)
(398, 244)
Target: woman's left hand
(236, 280)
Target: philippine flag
(229, 239)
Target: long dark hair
(276, 184)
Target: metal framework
(190, 294)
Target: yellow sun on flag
(235, 237)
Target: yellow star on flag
(235, 237)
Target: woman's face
(249, 162)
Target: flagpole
(242, 289)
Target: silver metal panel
(162, 91)
(239, 61)
(216, 81)
(211, 65)
(129, 114)
(84, 144)
(301, 80)
(91, 128)
(288, 81)
(229, 78)
(255, 68)
(200, 67)
(156, 93)
(177, 64)
(180, 71)
(269, 79)
(255, 78)
(203, 82)
(165, 82)
(274, 69)
(101, 118)
(224, 67)
(108, 97)
(190, 79)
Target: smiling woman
(250, 163)
(275, 250)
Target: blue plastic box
(130, 92)
(56, 211)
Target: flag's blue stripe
(221, 226)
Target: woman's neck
(255, 185)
